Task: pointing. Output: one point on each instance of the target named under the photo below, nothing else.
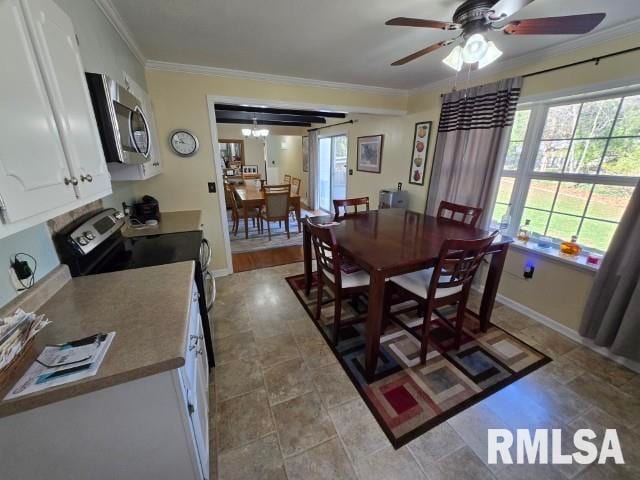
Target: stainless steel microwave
(124, 130)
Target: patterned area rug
(258, 241)
(407, 398)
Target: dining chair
(448, 283)
(295, 190)
(276, 206)
(330, 274)
(234, 203)
(287, 178)
(458, 213)
(350, 202)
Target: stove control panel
(96, 230)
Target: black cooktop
(152, 250)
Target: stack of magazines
(64, 363)
(16, 332)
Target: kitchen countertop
(148, 308)
(170, 222)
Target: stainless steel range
(94, 244)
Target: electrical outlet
(212, 187)
(528, 271)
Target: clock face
(184, 143)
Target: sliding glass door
(332, 170)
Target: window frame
(525, 172)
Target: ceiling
(338, 41)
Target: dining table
(252, 196)
(394, 241)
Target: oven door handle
(210, 285)
(205, 259)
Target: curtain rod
(596, 60)
(581, 62)
(329, 126)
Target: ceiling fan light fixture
(493, 53)
(454, 59)
(475, 48)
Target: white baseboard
(564, 330)
(222, 272)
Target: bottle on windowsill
(524, 235)
(571, 249)
(505, 221)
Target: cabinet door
(33, 166)
(200, 416)
(59, 58)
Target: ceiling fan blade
(422, 52)
(569, 25)
(506, 8)
(418, 22)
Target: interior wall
(180, 100)
(102, 50)
(288, 149)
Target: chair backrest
(295, 185)
(350, 202)
(230, 197)
(287, 178)
(459, 213)
(326, 251)
(458, 262)
(276, 201)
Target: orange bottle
(571, 249)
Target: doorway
(332, 170)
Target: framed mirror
(232, 152)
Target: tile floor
(282, 407)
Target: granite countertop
(170, 222)
(148, 308)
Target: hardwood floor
(243, 262)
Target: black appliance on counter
(94, 244)
(145, 210)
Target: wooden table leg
(245, 209)
(306, 249)
(374, 323)
(491, 286)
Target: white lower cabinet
(51, 158)
(153, 428)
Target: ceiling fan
(475, 17)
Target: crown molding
(121, 27)
(603, 36)
(267, 77)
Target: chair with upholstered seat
(448, 283)
(276, 206)
(458, 213)
(350, 202)
(330, 275)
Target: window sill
(554, 254)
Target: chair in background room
(235, 204)
(350, 202)
(448, 283)
(287, 178)
(276, 206)
(459, 213)
(295, 190)
(343, 285)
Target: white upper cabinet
(60, 62)
(33, 166)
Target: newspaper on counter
(60, 364)
(16, 331)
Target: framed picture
(370, 153)
(419, 151)
(305, 154)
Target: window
(571, 168)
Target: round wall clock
(183, 142)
